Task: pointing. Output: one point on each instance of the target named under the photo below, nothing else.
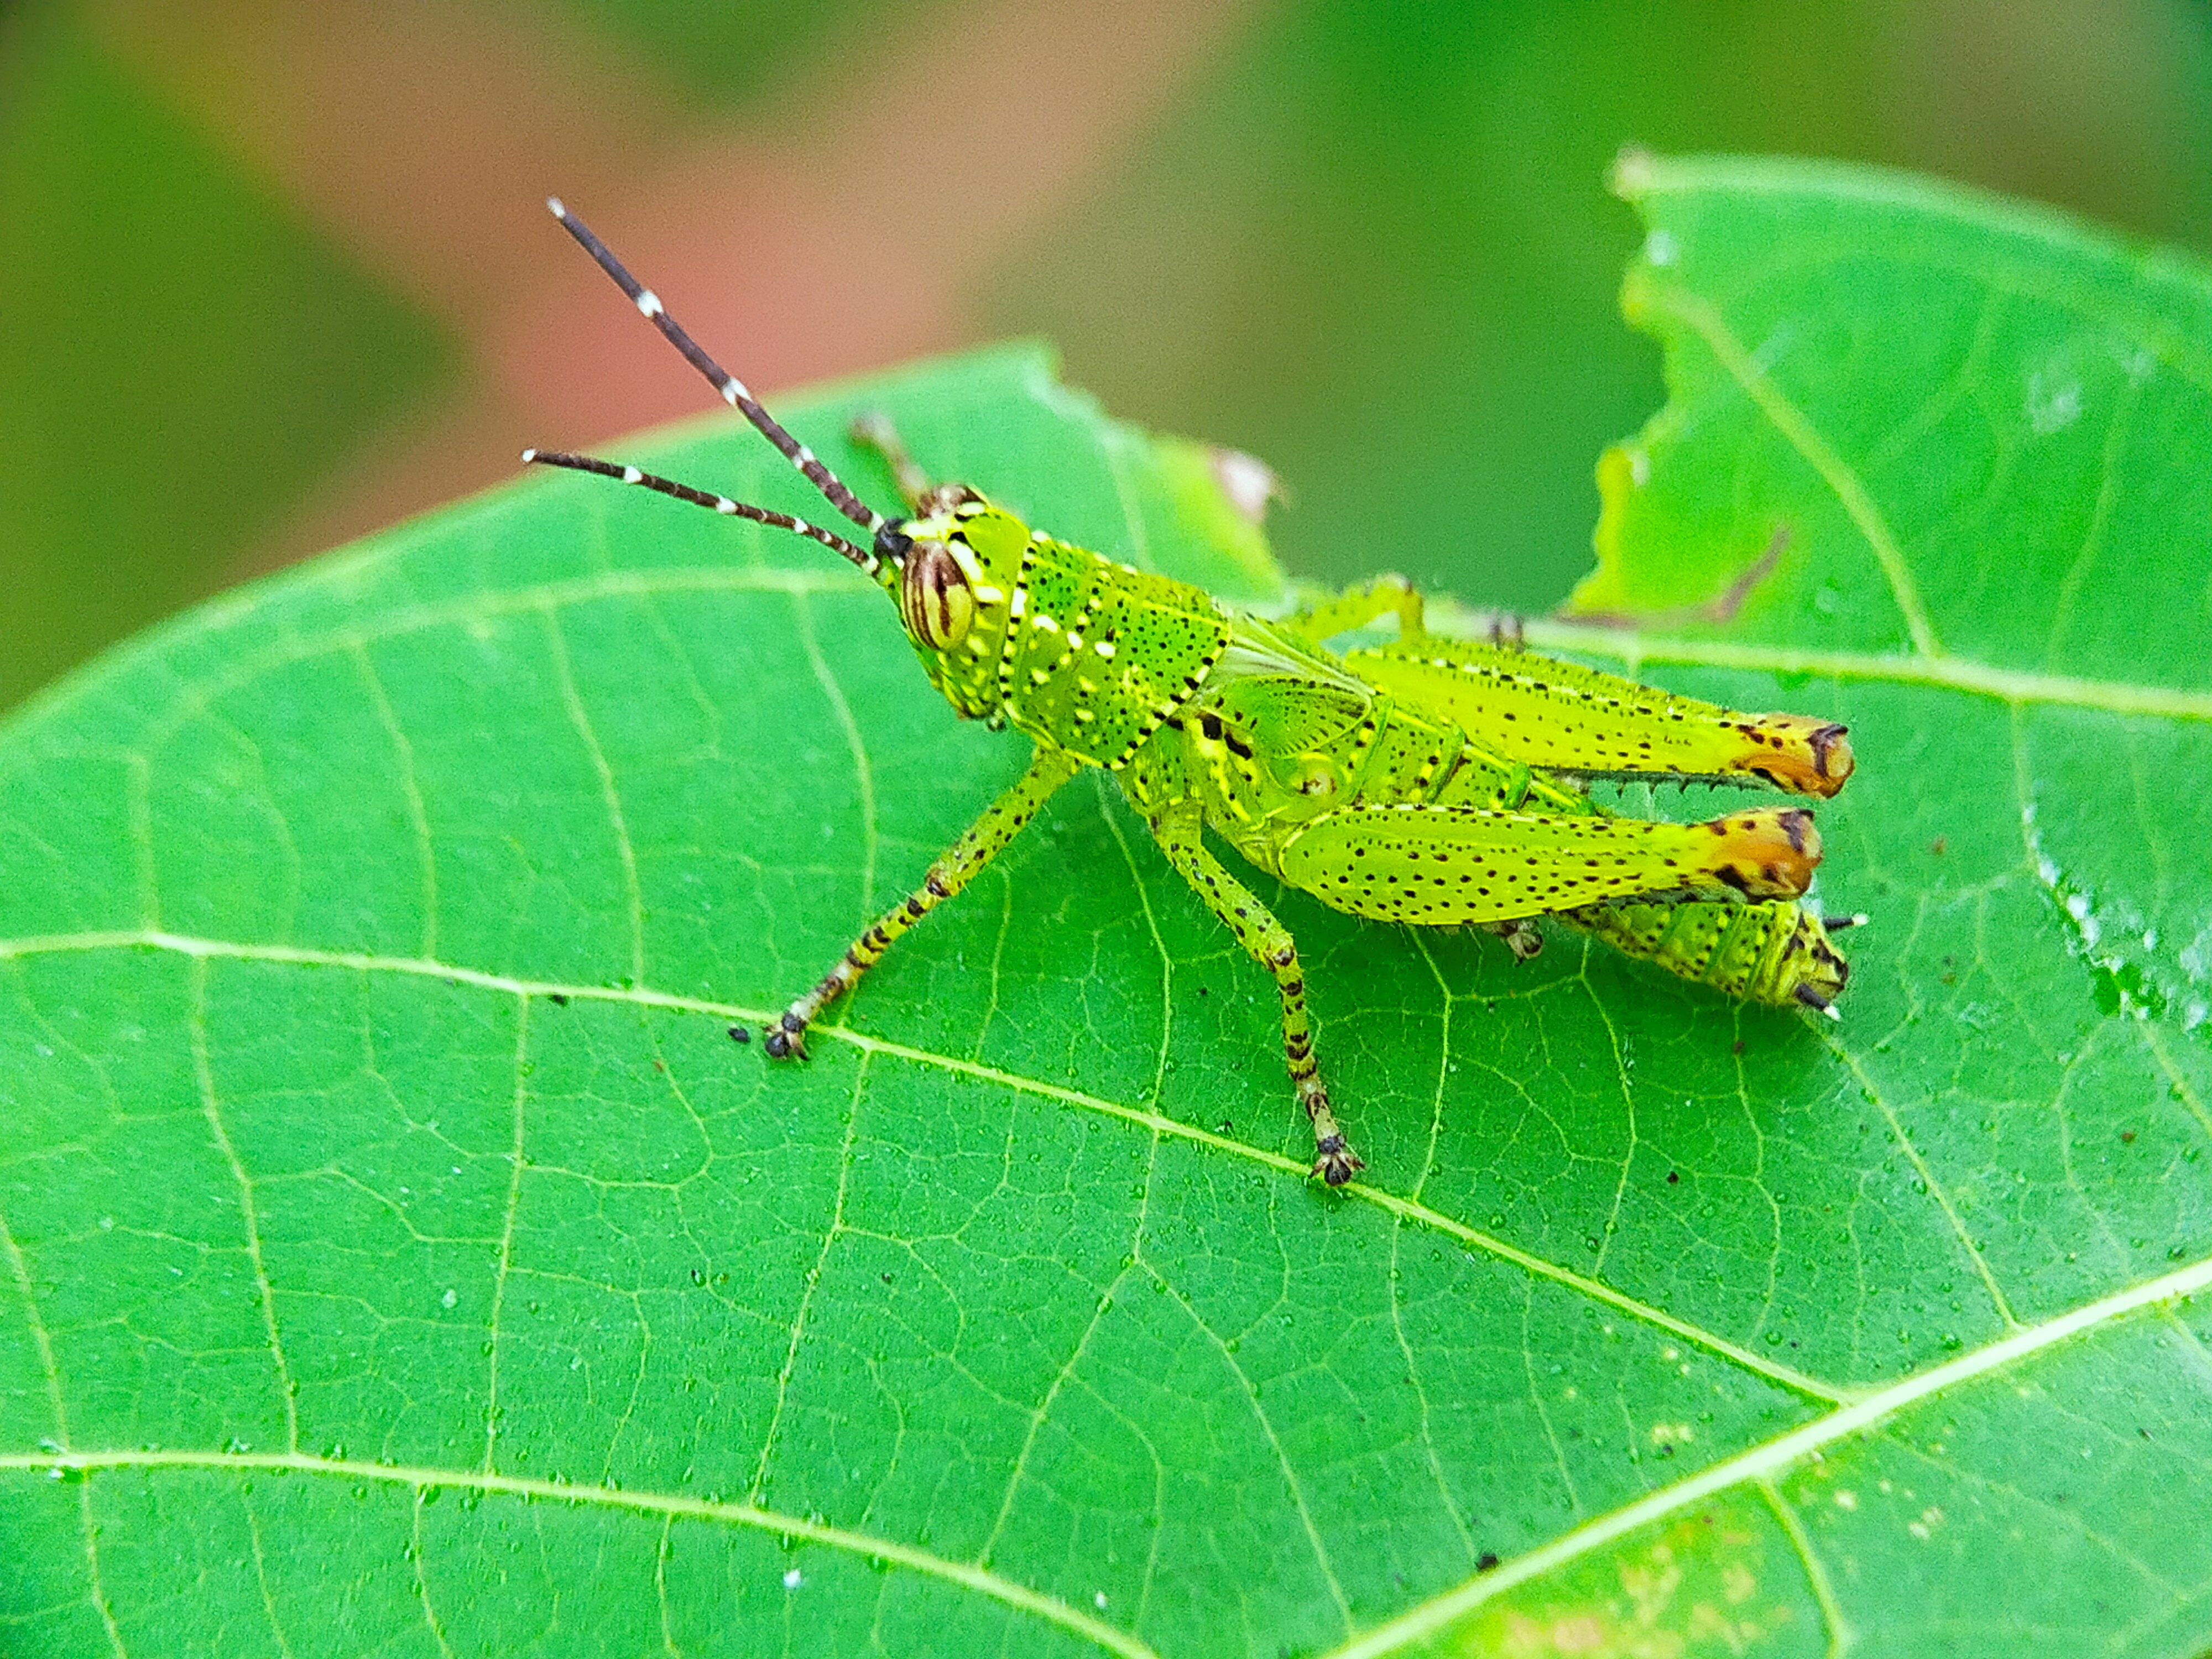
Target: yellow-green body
(1422, 780)
(1291, 754)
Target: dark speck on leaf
(1936, 846)
(1486, 1562)
(558, 999)
(2127, 1137)
(739, 1034)
(1673, 1177)
(1227, 1127)
(887, 1279)
(1739, 1046)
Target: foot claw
(787, 1040)
(1336, 1161)
(1524, 938)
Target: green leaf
(399, 1256)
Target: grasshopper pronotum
(1428, 780)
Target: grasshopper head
(955, 573)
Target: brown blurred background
(275, 273)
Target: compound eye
(935, 600)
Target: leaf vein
(829, 1235)
(418, 816)
(573, 701)
(1020, 1597)
(1840, 1635)
(210, 1108)
(422, 1581)
(1274, 1444)
(863, 774)
(505, 1270)
(1397, 1238)
(1762, 1460)
(1798, 1382)
(1928, 1177)
(1704, 318)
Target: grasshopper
(1428, 780)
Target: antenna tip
(528, 456)
(557, 207)
(1832, 1012)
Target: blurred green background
(274, 272)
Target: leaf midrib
(424, 1478)
(1626, 645)
(1945, 673)
(1844, 1397)
(1768, 1456)
(1753, 1465)
(1798, 1382)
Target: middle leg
(1177, 829)
(1356, 607)
(954, 869)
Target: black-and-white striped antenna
(731, 389)
(712, 502)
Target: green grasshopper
(1429, 780)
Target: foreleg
(924, 495)
(874, 430)
(1177, 829)
(955, 868)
